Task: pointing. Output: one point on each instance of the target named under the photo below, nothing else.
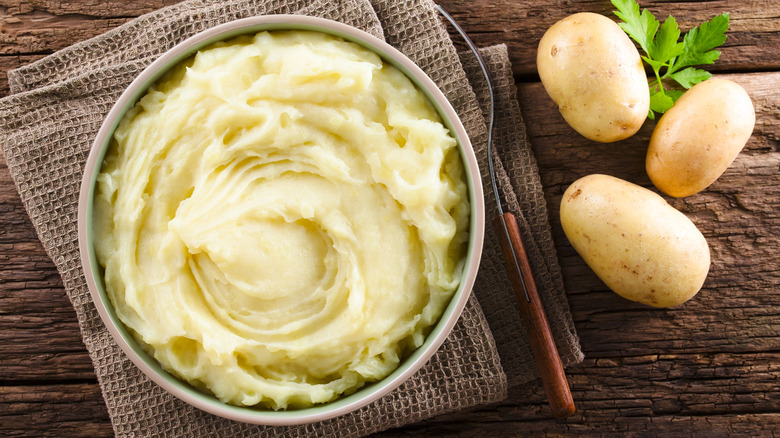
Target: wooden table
(708, 368)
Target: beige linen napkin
(56, 107)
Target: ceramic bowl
(93, 271)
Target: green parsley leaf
(690, 76)
(700, 41)
(669, 58)
(675, 94)
(640, 27)
(665, 46)
(660, 102)
(655, 65)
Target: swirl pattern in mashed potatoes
(281, 219)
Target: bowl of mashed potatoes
(281, 220)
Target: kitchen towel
(57, 105)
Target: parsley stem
(658, 81)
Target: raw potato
(699, 137)
(639, 245)
(593, 71)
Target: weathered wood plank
(46, 26)
(654, 395)
(106, 8)
(664, 394)
(667, 426)
(43, 32)
(39, 333)
(74, 410)
(753, 42)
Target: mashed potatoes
(281, 219)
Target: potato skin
(593, 71)
(639, 245)
(699, 137)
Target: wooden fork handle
(542, 343)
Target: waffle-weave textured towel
(57, 105)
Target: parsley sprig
(666, 55)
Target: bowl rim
(364, 395)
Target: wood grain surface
(710, 367)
